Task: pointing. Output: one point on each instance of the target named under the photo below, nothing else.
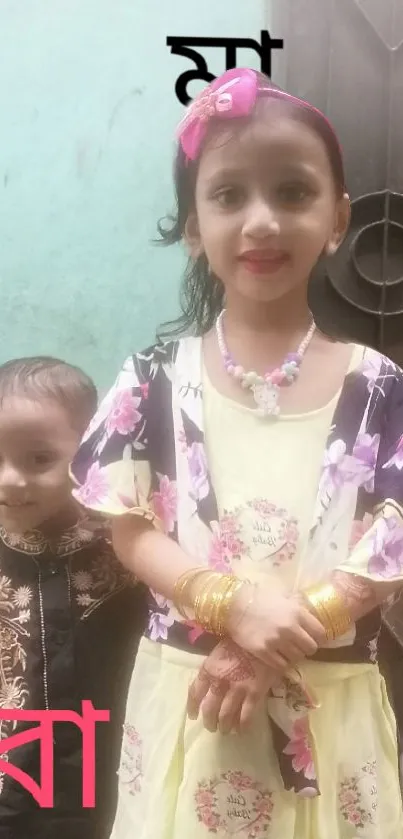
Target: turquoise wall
(88, 113)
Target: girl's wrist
(240, 604)
(330, 608)
(211, 599)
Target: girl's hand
(277, 629)
(229, 687)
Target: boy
(70, 616)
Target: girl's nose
(261, 221)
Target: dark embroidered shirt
(70, 621)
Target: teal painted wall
(88, 113)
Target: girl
(254, 476)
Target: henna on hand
(226, 666)
(218, 687)
(354, 590)
(228, 687)
(360, 595)
(234, 664)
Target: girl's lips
(264, 262)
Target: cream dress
(284, 507)
(177, 780)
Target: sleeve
(378, 554)
(111, 471)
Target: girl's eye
(294, 193)
(228, 196)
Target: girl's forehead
(274, 137)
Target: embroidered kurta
(70, 620)
(145, 454)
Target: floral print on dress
(359, 529)
(198, 471)
(294, 694)
(194, 631)
(282, 543)
(365, 454)
(373, 650)
(333, 473)
(160, 621)
(386, 559)
(131, 761)
(271, 528)
(123, 415)
(95, 489)
(357, 469)
(227, 545)
(361, 470)
(235, 804)
(358, 798)
(370, 368)
(397, 457)
(300, 749)
(164, 503)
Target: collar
(73, 539)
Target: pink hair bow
(231, 95)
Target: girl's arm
(275, 628)
(361, 595)
(272, 624)
(152, 556)
(231, 683)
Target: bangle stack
(211, 604)
(330, 609)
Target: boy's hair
(44, 377)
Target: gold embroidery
(15, 614)
(35, 543)
(93, 581)
(99, 581)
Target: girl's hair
(43, 377)
(202, 293)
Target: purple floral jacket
(144, 453)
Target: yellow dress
(177, 780)
(207, 784)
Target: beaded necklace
(265, 389)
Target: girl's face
(266, 206)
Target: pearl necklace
(265, 389)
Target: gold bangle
(225, 606)
(182, 585)
(207, 600)
(218, 605)
(202, 599)
(218, 597)
(330, 609)
(214, 601)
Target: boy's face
(37, 444)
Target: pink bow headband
(232, 95)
